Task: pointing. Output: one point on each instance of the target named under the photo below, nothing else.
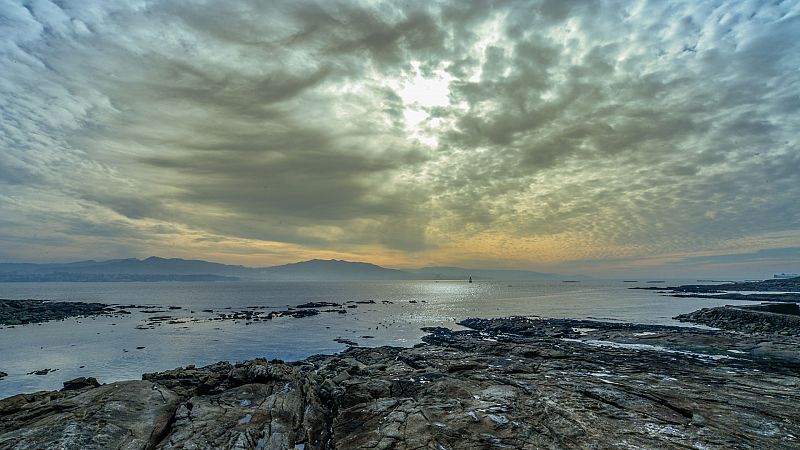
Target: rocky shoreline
(764, 318)
(21, 312)
(503, 383)
(776, 290)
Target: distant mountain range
(176, 269)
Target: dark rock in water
(366, 302)
(346, 342)
(3, 375)
(80, 383)
(41, 372)
(317, 305)
(505, 383)
(304, 313)
(783, 297)
(131, 307)
(775, 285)
(20, 312)
(790, 289)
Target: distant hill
(107, 277)
(319, 269)
(176, 269)
(131, 269)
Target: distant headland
(176, 269)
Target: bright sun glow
(419, 94)
(426, 92)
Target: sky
(597, 137)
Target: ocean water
(106, 347)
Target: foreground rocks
(129, 415)
(20, 312)
(505, 383)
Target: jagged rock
(125, 415)
(266, 415)
(261, 372)
(80, 383)
(190, 380)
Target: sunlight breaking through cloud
(534, 134)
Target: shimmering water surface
(105, 347)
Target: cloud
(578, 130)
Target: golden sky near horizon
(595, 137)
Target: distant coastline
(107, 278)
(175, 269)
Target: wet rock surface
(20, 312)
(504, 383)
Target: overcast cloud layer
(595, 136)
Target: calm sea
(106, 347)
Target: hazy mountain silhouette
(319, 269)
(151, 266)
(176, 269)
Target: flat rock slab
(125, 415)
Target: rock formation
(766, 318)
(506, 383)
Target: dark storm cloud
(625, 128)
